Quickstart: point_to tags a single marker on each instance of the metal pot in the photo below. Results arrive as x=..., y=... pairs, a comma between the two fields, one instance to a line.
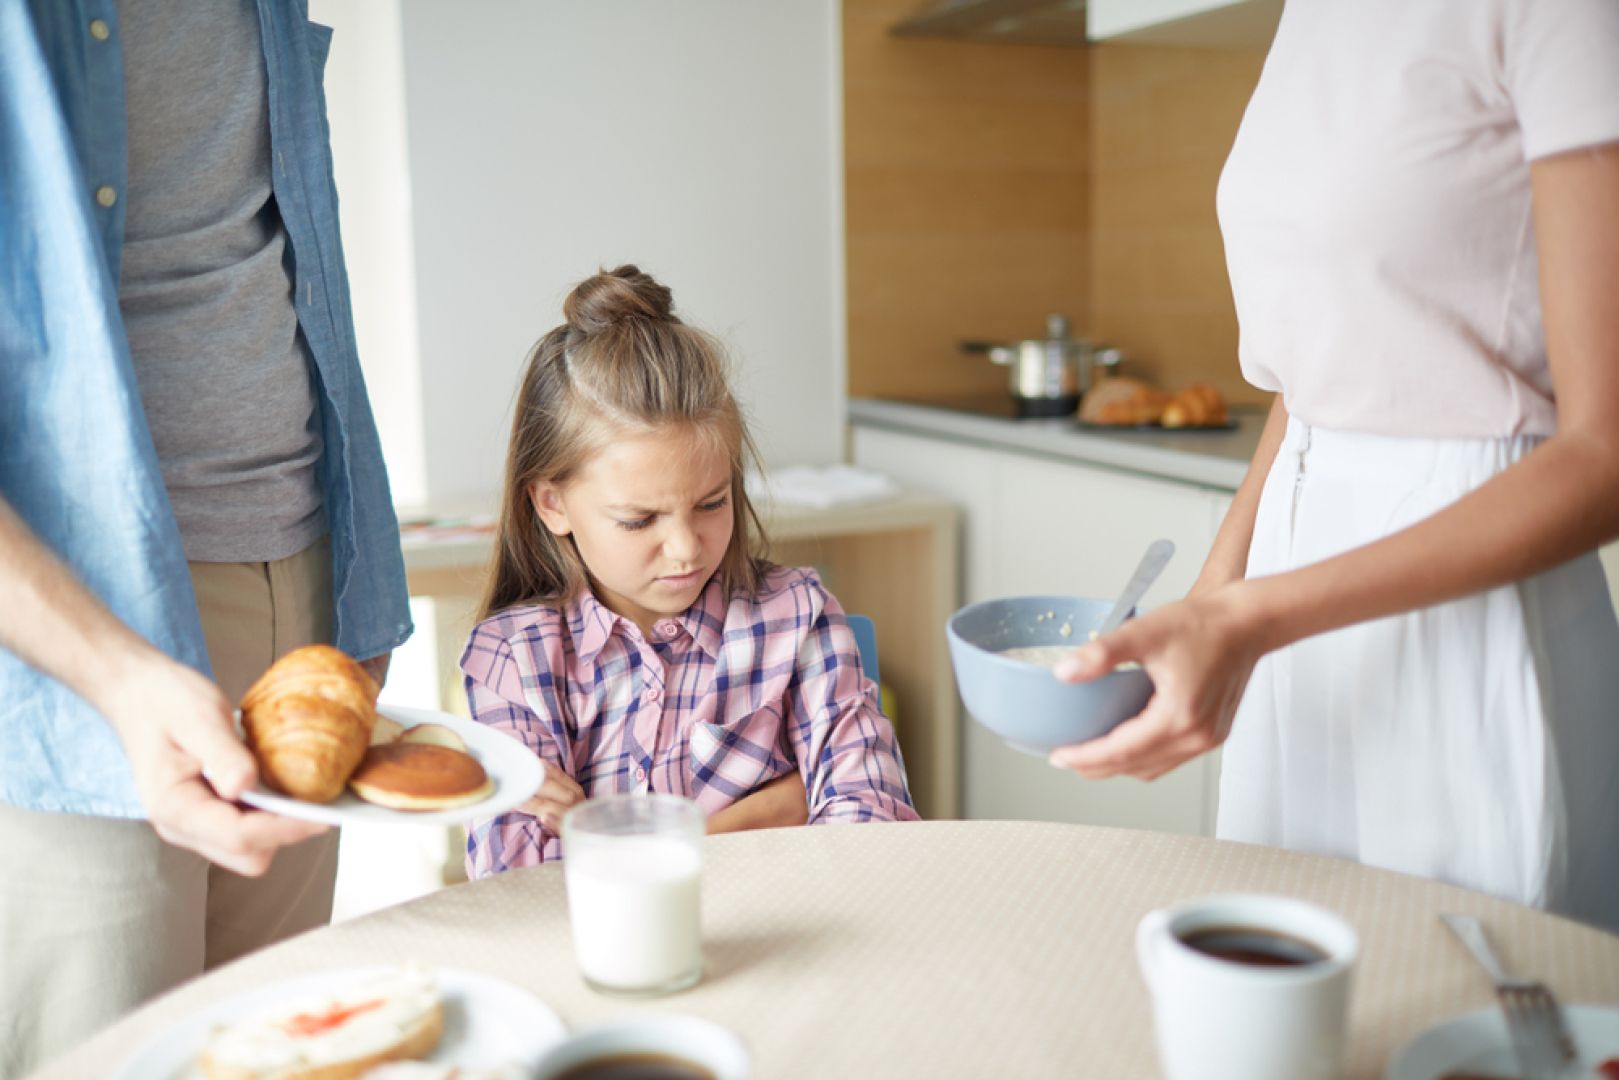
x=1047, y=375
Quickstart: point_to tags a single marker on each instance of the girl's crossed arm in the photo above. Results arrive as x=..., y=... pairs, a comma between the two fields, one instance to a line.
x=846, y=748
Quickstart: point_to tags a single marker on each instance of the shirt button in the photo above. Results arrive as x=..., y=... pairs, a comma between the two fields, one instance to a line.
x=651, y=693
x=106, y=195
x=668, y=629
x=100, y=30
x=640, y=774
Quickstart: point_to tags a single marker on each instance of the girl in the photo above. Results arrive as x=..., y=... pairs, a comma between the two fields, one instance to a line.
x=630, y=636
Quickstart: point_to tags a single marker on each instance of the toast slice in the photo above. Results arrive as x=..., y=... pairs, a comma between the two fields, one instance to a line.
x=333, y=1036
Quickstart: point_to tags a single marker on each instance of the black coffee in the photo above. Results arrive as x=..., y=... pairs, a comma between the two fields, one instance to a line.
x=637, y=1067
x=1252, y=946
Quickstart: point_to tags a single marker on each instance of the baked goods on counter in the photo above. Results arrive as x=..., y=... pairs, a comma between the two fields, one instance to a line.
x=308, y=720
x=1123, y=401
x=1199, y=405
x=338, y=1035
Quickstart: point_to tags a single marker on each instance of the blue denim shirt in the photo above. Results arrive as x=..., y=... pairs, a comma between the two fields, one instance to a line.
x=76, y=457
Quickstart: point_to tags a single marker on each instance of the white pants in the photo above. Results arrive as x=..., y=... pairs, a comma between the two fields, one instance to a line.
x=1476, y=742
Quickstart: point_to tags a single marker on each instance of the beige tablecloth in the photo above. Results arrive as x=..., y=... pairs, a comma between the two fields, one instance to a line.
x=941, y=949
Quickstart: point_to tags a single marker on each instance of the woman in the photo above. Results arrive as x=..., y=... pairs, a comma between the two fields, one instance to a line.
x=1421, y=216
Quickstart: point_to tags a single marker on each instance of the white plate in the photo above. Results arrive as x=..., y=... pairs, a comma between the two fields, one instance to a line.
x=1477, y=1042
x=487, y=1022
x=515, y=769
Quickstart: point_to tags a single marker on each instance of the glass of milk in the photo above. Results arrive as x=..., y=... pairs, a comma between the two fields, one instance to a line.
x=633, y=866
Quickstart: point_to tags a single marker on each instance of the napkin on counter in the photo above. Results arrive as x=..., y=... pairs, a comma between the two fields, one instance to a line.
x=822, y=486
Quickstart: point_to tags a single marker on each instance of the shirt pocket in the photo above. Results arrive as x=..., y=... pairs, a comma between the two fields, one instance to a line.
x=735, y=759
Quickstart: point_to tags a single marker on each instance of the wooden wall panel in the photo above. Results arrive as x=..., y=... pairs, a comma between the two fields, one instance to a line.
x=965, y=168
x=1162, y=121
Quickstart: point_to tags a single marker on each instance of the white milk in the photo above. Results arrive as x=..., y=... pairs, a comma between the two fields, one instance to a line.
x=633, y=905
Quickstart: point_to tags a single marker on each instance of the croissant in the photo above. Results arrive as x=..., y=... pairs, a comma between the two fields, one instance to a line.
x=1199, y=405
x=308, y=721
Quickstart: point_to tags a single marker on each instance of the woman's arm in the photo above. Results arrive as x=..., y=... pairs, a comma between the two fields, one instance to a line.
x=1558, y=502
x=175, y=725
x=1228, y=558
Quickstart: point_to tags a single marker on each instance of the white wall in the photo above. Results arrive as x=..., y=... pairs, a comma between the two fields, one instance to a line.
x=491, y=153
x=700, y=139
x=365, y=103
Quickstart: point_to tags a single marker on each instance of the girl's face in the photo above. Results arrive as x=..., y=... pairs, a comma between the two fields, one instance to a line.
x=652, y=518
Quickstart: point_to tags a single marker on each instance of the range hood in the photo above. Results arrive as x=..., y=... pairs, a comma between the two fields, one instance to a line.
x=1017, y=22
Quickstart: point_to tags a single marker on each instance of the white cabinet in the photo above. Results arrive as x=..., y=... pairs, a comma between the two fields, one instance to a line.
x=1035, y=525
x=1211, y=23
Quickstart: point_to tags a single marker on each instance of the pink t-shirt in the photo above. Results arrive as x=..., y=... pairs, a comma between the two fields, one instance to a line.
x=1376, y=206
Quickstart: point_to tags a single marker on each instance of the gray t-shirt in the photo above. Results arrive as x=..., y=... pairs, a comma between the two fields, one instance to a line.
x=206, y=287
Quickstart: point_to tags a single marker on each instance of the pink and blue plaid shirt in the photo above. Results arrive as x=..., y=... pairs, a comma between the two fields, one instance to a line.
x=727, y=696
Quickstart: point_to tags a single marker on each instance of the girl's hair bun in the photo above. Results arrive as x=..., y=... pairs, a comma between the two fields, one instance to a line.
x=613, y=296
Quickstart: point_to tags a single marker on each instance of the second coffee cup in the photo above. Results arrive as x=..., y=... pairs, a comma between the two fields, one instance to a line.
x=1248, y=987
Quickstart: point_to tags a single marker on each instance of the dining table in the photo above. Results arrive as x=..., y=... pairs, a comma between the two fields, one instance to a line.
x=933, y=949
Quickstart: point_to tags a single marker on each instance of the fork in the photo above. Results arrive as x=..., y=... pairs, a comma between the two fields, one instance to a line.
x=1535, y=1024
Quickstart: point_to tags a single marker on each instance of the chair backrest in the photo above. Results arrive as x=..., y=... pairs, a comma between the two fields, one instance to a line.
x=865, y=639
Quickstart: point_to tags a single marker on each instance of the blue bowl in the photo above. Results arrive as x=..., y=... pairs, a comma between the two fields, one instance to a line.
x=1022, y=701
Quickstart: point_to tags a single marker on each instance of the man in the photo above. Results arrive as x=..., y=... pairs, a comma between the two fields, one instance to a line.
x=190, y=484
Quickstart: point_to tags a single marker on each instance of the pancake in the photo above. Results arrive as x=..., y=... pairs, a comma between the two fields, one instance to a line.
x=434, y=735
x=386, y=730
x=420, y=776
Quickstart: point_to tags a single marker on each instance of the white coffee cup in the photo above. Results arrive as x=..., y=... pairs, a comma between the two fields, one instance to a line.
x=633, y=868
x=1219, y=1018
x=687, y=1039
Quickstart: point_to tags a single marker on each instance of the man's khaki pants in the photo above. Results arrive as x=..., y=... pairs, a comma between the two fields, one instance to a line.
x=97, y=914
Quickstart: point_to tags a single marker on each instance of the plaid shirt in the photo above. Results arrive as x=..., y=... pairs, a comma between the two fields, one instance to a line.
x=725, y=697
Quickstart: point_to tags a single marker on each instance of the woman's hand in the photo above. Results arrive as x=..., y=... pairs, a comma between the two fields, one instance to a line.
x=1200, y=653
x=778, y=803
x=558, y=792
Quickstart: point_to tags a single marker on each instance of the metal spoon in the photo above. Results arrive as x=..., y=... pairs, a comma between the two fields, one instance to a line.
x=1151, y=565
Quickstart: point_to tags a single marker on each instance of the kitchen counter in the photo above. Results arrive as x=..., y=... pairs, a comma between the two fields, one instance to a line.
x=1205, y=458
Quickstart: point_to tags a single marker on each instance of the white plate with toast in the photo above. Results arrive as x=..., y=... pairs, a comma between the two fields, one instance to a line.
x=488, y=1023
x=513, y=771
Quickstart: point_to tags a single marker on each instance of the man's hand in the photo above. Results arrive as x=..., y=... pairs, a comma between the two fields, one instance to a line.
x=190, y=767
x=175, y=725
